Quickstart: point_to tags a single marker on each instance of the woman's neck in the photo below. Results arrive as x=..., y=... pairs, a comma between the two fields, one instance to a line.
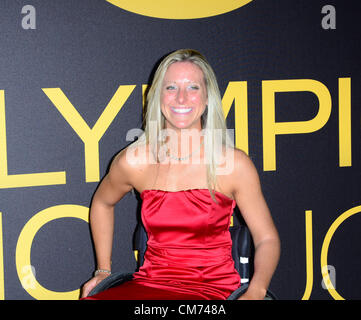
x=183, y=143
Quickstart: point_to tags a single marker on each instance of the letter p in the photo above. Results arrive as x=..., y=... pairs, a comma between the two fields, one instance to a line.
x=271, y=128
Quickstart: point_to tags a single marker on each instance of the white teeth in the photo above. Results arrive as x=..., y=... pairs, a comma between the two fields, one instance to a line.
x=181, y=110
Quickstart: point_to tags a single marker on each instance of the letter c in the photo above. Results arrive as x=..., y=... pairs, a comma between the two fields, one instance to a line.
x=23, y=248
x=179, y=309
x=325, y=245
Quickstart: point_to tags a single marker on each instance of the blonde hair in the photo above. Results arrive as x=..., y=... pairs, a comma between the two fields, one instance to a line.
x=212, y=118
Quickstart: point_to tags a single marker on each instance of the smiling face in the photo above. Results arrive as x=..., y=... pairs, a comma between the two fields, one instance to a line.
x=183, y=96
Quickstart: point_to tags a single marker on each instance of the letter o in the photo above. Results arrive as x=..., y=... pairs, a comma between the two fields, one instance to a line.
x=326, y=244
x=23, y=248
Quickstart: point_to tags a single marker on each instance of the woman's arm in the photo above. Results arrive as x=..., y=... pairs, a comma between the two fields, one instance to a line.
x=253, y=207
x=112, y=188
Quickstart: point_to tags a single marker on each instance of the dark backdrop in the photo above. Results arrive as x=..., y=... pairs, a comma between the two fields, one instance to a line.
x=77, y=55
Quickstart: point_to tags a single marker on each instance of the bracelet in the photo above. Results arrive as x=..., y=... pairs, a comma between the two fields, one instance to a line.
x=102, y=271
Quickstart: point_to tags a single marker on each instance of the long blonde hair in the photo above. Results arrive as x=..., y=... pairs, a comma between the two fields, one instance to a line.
x=212, y=120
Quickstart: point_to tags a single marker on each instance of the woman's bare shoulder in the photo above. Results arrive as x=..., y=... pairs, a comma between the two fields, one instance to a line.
x=131, y=158
x=231, y=169
x=132, y=162
x=236, y=160
x=238, y=170
x=242, y=159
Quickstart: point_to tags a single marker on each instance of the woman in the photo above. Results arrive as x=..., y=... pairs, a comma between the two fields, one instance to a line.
x=190, y=178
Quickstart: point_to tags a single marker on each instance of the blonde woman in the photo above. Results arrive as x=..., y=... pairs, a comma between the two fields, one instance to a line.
x=190, y=178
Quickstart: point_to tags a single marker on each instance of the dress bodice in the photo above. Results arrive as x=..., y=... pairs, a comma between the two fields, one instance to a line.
x=188, y=225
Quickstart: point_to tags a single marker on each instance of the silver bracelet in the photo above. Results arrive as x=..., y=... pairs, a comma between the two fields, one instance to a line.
x=102, y=271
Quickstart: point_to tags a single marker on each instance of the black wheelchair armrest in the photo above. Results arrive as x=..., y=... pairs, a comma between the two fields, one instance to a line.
x=243, y=288
x=111, y=281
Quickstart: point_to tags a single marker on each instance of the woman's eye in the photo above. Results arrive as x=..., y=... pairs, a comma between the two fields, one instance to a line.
x=170, y=87
x=194, y=87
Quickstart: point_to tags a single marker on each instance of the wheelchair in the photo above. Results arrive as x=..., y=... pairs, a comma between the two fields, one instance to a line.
x=242, y=253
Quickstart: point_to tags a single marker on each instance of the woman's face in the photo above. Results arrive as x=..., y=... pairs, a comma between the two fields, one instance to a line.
x=183, y=96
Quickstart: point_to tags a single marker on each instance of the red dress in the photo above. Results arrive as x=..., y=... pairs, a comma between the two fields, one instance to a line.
x=188, y=251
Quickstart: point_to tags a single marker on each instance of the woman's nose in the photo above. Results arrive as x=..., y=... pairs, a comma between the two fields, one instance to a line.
x=181, y=96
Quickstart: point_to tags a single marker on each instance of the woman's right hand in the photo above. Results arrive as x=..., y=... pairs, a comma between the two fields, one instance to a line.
x=92, y=283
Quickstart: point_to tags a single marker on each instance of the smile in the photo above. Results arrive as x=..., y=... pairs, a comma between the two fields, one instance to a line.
x=181, y=110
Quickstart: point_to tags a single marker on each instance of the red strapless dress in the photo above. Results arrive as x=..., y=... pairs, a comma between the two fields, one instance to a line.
x=188, y=252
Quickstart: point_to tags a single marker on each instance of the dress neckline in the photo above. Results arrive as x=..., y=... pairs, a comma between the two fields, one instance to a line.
x=186, y=190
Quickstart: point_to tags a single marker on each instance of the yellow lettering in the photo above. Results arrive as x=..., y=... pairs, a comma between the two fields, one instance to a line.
x=144, y=98
x=344, y=104
x=187, y=9
x=237, y=91
x=309, y=256
x=144, y=93
x=90, y=137
x=324, y=251
x=271, y=128
x=23, y=250
x=21, y=180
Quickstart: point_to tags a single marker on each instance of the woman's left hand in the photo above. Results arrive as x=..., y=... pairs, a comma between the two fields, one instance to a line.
x=253, y=294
